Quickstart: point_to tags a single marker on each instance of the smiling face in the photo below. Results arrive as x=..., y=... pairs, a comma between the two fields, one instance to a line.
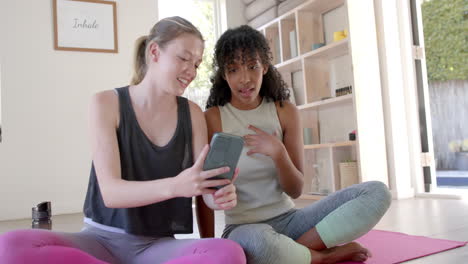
x=245, y=76
x=175, y=66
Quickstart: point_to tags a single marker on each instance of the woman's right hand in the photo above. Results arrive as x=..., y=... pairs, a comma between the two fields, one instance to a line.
x=194, y=181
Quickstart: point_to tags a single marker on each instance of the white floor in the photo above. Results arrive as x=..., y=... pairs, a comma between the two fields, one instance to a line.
x=437, y=218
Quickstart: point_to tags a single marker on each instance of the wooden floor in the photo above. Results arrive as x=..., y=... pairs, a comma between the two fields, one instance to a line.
x=437, y=218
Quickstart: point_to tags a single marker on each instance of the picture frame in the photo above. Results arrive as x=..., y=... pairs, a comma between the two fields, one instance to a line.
x=85, y=25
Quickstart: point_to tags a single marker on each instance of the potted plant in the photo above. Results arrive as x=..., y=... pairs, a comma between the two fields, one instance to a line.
x=460, y=148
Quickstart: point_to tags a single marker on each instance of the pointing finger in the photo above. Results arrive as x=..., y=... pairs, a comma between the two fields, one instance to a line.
x=202, y=156
x=256, y=129
x=214, y=172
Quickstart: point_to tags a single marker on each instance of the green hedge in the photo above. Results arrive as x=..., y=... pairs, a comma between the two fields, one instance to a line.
x=446, y=39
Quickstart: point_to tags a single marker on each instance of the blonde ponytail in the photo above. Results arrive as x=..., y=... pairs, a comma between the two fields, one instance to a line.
x=162, y=32
x=139, y=63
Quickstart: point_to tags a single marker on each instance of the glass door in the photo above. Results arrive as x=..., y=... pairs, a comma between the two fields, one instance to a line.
x=440, y=55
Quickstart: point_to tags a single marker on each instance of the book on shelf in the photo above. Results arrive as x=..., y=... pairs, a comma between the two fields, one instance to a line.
x=293, y=43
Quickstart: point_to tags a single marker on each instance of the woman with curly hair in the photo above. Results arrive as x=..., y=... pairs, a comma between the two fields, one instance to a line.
x=249, y=98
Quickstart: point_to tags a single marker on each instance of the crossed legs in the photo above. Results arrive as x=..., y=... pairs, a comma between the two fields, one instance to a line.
x=319, y=233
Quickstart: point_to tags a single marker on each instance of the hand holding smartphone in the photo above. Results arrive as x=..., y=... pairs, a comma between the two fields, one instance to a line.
x=225, y=150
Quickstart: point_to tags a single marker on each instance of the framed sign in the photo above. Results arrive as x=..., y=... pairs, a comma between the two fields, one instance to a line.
x=85, y=25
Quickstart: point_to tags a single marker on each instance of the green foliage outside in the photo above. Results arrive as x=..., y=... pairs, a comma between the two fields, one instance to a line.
x=204, y=20
x=446, y=39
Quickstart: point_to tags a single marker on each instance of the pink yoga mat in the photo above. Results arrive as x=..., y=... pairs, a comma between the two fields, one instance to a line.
x=392, y=247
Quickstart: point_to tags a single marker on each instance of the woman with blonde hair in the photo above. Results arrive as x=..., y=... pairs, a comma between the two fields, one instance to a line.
x=148, y=148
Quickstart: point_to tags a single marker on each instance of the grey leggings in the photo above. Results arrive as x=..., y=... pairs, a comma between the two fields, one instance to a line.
x=339, y=218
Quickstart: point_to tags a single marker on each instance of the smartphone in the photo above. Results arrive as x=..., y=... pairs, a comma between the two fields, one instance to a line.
x=225, y=150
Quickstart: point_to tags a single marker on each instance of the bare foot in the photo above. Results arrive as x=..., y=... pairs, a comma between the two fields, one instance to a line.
x=348, y=252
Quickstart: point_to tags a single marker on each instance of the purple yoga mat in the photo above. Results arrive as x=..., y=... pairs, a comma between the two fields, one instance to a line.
x=392, y=247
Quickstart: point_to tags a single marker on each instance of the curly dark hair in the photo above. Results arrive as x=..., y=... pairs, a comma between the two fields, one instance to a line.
x=246, y=42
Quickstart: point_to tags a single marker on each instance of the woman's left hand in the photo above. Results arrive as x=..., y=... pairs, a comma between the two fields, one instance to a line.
x=263, y=143
x=226, y=197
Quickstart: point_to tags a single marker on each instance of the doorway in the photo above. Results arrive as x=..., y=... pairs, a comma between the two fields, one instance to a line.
x=442, y=88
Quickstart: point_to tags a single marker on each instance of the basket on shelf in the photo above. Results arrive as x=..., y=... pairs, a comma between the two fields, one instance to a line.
x=348, y=173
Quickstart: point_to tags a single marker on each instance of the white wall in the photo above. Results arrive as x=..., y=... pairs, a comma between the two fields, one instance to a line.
x=395, y=84
x=0, y=94
x=235, y=13
x=45, y=152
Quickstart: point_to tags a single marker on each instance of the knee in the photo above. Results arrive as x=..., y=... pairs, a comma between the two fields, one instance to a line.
x=231, y=251
x=16, y=243
x=260, y=244
x=223, y=250
x=251, y=238
x=263, y=245
x=14, y=240
x=380, y=194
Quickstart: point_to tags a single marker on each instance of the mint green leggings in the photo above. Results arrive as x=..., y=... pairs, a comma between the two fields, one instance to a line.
x=339, y=218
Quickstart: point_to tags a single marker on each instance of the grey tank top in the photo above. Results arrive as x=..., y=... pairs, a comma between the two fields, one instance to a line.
x=141, y=160
x=259, y=194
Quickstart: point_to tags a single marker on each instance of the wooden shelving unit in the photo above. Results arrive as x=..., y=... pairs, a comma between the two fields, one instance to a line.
x=314, y=76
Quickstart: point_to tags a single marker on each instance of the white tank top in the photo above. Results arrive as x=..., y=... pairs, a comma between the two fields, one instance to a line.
x=260, y=196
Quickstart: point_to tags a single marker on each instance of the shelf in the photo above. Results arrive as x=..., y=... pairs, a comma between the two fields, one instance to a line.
x=321, y=7
x=291, y=65
x=317, y=7
x=331, y=145
x=327, y=102
x=330, y=51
